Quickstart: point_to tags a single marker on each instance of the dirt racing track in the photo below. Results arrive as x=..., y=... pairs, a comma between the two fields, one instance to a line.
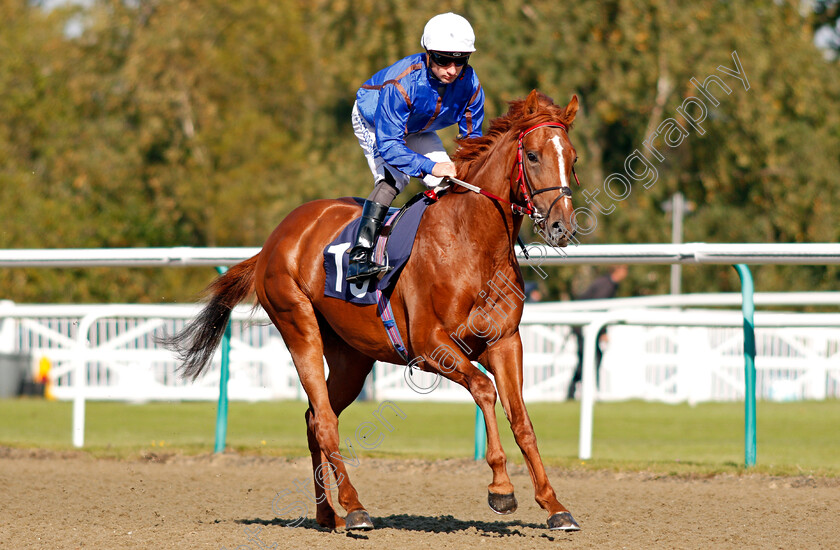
x=70, y=500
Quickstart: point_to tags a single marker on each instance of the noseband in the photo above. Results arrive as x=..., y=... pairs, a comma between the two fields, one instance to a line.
x=525, y=185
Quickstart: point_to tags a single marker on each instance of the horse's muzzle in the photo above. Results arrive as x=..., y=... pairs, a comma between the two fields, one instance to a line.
x=560, y=234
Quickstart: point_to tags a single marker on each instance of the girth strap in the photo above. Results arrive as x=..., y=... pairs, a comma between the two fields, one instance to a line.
x=383, y=308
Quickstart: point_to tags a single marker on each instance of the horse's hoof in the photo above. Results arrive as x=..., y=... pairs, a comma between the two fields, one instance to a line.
x=502, y=504
x=563, y=521
x=358, y=519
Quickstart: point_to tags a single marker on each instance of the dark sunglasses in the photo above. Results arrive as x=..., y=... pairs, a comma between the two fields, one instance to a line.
x=444, y=60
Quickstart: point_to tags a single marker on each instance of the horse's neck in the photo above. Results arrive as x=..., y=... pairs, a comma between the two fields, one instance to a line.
x=482, y=220
x=493, y=175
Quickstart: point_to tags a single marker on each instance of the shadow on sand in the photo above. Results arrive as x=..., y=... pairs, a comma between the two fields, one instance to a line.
x=427, y=524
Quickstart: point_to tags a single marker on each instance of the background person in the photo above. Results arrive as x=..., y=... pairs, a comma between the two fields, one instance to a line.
x=533, y=292
x=601, y=288
x=395, y=117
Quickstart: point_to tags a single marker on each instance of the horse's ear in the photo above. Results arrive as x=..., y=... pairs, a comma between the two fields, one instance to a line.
x=532, y=103
x=572, y=108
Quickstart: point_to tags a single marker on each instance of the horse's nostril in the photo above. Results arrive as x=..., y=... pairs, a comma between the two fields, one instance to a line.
x=559, y=227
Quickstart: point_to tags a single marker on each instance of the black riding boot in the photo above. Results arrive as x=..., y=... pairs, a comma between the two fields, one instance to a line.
x=361, y=262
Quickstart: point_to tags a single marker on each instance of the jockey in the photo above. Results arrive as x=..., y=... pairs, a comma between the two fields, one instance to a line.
x=395, y=117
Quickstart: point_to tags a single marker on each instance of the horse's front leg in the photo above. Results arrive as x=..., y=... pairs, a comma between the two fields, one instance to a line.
x=446, y=358
x=505, y=360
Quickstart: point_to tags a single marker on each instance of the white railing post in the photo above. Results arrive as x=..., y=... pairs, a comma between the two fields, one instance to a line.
x=818, y=373
x=694, y=375
x=588, y=387
x=7, y=329
x=80, y=378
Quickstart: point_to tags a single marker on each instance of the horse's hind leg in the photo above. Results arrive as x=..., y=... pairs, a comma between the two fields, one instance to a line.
x=348, y=370
x=296, y=320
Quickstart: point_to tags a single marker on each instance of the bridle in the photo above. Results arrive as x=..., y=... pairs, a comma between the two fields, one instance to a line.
x=522, y=180
x=525, y=185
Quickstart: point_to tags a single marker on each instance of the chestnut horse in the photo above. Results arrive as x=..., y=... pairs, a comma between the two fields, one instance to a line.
x=465, y=241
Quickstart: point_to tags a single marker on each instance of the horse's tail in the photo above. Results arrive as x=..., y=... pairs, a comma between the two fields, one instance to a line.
x=197, y=342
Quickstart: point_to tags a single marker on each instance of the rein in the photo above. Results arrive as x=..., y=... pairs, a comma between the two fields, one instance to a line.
x=480, y=191
x=522, y=179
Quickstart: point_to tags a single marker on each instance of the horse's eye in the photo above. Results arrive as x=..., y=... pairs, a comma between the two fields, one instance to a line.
x=532, y=157
x=575, y=161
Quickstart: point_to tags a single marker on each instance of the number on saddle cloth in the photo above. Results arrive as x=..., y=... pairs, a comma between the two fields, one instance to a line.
x=395, y=245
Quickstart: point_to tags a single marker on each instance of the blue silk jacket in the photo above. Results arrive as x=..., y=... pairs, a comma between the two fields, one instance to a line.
x=406, y=98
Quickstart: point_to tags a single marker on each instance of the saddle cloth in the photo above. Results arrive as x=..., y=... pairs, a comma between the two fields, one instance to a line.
x=396, y=247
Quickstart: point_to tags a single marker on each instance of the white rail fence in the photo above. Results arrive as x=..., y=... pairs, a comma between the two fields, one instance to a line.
x=662, y=254
x=793, y=350
x=114, y=348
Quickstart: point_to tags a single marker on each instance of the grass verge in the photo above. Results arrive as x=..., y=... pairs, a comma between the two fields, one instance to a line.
x=794, y=438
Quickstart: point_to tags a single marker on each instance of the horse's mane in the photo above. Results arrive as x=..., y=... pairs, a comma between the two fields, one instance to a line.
x=517, y=119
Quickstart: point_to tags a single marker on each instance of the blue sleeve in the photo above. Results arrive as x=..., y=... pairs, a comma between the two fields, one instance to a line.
x=391, y=120
x=470, y=123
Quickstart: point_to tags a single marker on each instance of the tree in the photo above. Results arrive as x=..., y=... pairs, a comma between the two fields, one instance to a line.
x=174, y=123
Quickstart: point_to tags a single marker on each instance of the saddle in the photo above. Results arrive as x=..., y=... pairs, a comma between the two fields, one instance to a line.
x=393, y=248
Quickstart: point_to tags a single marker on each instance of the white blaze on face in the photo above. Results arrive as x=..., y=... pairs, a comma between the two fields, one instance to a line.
x=561, y=160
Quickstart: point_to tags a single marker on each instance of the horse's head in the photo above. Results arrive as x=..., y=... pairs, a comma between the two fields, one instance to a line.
x=544, y=167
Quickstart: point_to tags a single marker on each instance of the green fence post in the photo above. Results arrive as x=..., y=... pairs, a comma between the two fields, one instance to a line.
x=480, y=428
x=748, y=309
x=224, y=375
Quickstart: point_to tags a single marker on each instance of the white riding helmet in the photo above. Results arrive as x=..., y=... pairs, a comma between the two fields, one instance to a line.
x=448, y=32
